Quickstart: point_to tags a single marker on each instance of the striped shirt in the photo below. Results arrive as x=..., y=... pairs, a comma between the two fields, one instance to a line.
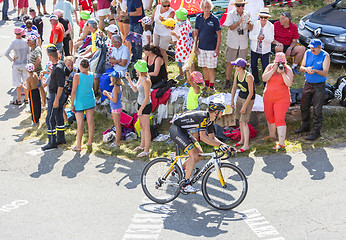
x=33, y=55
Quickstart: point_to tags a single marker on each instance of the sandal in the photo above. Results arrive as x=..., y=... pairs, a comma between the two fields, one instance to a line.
x=16, y=102
x=268, y=137
x=237, y=145
x=240, y=150
x=75, y=149
x=138, y=149
x=26, y=101
x=143, y=154
x=278, y=146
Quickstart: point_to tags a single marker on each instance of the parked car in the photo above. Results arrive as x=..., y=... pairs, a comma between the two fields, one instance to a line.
x=329, y=25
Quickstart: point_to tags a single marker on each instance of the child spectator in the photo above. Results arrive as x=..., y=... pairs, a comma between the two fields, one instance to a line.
x=195, y=79
x=70, y=71
x=115, y=104
x=84, y=16
x=185, y=40
x=34, y=94
x=142, y=86
x=148, y=29
x=83, y=100
x=245, y=101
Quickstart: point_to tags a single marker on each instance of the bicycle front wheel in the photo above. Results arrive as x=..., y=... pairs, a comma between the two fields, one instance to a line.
x=228, y=196
x=155, y=186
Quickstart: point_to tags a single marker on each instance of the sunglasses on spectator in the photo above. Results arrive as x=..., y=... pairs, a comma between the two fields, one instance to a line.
x=240, y=5
x=166, y=5
x=263, y=17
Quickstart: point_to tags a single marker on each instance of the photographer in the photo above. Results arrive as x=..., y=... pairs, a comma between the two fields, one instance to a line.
x=276, y=97
x=239, y=23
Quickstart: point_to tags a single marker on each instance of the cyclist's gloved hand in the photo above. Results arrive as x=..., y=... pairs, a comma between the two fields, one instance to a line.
x=224, y=147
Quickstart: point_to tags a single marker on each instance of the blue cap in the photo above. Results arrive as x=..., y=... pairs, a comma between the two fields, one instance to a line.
x=53, y=17
x=314, y=43
x=115, y=74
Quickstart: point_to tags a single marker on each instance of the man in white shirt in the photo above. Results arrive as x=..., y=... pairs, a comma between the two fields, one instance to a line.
x=19, y=60
x=68, y=9
x=239, y=23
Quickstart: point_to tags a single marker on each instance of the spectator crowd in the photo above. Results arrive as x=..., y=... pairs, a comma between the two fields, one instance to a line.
x=94, y=46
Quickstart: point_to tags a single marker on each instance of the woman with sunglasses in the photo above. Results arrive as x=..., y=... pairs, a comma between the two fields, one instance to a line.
x=162, y=34
x=261, y=38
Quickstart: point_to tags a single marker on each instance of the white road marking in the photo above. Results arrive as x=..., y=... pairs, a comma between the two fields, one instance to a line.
x=147, y=225
x=260, y=225
x=37, y=151
x=13, y=205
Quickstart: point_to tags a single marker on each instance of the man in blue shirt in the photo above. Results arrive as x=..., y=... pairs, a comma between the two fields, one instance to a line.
x=136, y=12
x=315, y=64
x=208, y=32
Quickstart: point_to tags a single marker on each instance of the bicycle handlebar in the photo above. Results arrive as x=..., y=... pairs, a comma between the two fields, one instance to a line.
x=216, y=151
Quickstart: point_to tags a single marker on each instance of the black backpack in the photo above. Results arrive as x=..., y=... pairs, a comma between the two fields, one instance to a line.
x=340, y=90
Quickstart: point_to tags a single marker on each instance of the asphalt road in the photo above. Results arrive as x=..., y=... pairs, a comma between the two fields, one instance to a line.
x=66, y=195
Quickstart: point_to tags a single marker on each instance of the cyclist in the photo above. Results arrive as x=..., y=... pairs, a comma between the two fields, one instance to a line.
x=204, y=122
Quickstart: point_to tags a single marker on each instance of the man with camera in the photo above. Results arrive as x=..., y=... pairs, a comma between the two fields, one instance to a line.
x=239, y=23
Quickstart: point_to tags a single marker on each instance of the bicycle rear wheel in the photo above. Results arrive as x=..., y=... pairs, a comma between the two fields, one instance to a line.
x=232, y=194
x=155, y=187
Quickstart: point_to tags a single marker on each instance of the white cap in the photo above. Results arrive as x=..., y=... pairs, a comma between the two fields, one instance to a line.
x=112, y=28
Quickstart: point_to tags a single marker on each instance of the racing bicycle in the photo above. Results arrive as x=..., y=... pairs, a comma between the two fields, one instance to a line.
x=224, y=185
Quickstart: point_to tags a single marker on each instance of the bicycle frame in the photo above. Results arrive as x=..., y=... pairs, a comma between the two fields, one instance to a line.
x=213, y=162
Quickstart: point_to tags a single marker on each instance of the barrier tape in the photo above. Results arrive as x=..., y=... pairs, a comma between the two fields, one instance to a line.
x=280, y=3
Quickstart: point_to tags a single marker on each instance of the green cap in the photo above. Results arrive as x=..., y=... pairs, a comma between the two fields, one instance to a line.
x=181, y=14
x=85, y=15
x=141, y=66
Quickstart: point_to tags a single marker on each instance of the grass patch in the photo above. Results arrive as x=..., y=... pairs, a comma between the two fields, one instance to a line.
x=333, y=119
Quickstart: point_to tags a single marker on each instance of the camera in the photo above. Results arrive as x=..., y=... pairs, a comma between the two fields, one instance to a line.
x=240, y=31
x=68, y=85
x=281, y=66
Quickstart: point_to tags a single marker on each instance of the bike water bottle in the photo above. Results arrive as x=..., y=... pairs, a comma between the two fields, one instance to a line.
x=173, y=155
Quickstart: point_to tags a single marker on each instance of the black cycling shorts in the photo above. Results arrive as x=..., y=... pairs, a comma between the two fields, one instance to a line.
x=181, y=137
x=147, y=109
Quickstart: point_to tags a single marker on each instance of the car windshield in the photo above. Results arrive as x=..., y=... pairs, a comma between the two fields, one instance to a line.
x=341, y=4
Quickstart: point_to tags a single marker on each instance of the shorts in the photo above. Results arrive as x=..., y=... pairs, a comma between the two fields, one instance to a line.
x=232, y=54
x=181, y=137
x=19, y=75
x=23, y=3
x=42, y=2
x=118, y=110
x=243, y=117
x=113, y=10
x=206, y=59
x=284, y=49
x=147, y=109
x=81, y=111
x=161, y=41
x=104, y=12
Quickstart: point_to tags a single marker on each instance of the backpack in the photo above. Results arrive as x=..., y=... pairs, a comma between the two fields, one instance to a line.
x=339, y=91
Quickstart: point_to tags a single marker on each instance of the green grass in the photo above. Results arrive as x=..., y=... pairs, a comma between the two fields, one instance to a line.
x=333, y=130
